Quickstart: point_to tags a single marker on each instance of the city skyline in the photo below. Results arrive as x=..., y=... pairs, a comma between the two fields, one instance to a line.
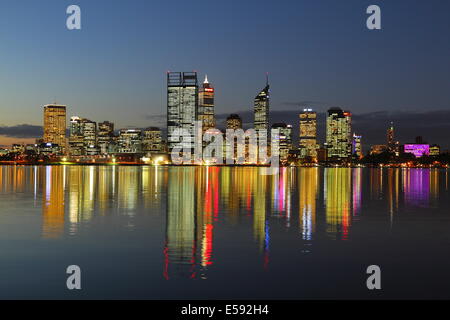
x=298, y=77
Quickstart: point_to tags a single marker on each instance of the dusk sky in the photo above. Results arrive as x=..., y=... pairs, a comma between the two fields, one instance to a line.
x=318, y=53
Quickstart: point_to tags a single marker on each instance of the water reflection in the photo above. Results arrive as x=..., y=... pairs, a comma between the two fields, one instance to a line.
x=197, y=203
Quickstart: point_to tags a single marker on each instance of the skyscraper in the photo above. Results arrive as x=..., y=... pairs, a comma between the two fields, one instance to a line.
x=284, y=133
x=206, y=105
x=89, y=133
x=339, y=140
x=262, y=106
x=55, y=124
x=308, y=133
x=357, y=146
x=391, y=137
x=76, y=141
x=105, y=136
x=234, y=122
x=182, y=107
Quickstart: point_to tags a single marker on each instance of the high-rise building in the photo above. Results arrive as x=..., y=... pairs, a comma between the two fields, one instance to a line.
x=105, y=136
x=390, y=138
x=206, y=105
x=83, y=137
x=339, y=140
x=262, y=106
x=55, y=124
x=308, y=134
x=89, y=133
x=284, y=133
x=76, y=141
x=182, y=108
x=152, y=140
x=357, y=146
x=130, y=141
x=234, y=122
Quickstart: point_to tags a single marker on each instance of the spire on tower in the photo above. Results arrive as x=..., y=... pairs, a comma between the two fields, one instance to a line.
x=267, y=78
x=206, y=79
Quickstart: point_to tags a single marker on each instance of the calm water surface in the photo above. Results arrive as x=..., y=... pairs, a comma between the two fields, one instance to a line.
x=212, y=233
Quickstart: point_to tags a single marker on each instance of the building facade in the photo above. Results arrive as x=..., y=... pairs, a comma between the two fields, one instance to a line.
x=152, y=140
x=105, y=136
x=308, y=134
x=55, y=125
x=357, y=146
x=234, y=122
x=262, y=108
x=182, y=108
x=339, y=139
x=284, y=133
x=130, y=141
x=206, y=106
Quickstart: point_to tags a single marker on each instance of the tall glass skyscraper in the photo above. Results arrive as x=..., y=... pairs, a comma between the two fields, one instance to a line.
x=262, y=105
x=182, y=107
x=308, y=133
x=339, y=138
x=206, y=105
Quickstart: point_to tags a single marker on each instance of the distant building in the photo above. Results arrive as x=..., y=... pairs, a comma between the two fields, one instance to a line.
x=435, y=150
x=182, y=108
x=55, y=124
x=378, y=149
x=206, y=105
x=357, y=146
x=308, y=134
x=89, y=129
x=284, y=133
x=49, y=149
x=76, y=144
x=18, y=148
x=152, y=140
x=82, y=136
x=234, y=122
x=130, y=141
x=261, y=109
x=105, y=136
x=390, y=135
x=339, y=139
x=418, y=150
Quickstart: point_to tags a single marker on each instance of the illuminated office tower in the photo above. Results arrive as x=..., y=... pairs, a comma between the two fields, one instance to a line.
x=76, y=141
x=308, y=133
x=130, y=141
x=152, y=140
x=105, y=136
x=234, y=122
x=89, y=133
x=284, y=133
x=356, y=146
x=393, y=146
x=390, y=137
x=206, y=105
x=55, y=124
x=339, y=140
x=261, y=111
x=262, y=105
x=182, y=107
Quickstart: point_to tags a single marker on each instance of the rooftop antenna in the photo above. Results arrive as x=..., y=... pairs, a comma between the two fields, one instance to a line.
x=267, y=78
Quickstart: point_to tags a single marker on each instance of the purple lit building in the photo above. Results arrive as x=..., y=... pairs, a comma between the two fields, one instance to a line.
x=418, y=150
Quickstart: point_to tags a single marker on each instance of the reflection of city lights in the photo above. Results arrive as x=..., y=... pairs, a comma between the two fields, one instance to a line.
x=158, y=161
